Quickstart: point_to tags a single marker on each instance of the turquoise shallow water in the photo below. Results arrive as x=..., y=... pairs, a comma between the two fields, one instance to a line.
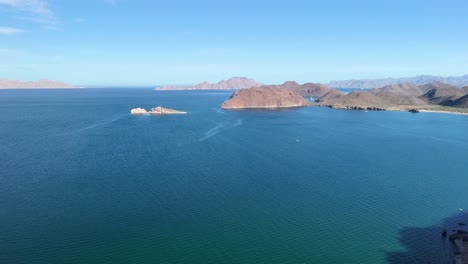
x=82, y=181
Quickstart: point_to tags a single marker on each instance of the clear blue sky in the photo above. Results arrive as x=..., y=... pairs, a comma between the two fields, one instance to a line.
x=162, y=42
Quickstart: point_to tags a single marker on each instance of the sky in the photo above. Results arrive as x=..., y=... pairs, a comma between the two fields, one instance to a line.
x=139, y=42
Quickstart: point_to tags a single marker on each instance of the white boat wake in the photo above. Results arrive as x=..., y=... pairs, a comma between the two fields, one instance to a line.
x=101, y=123
x=218, y=128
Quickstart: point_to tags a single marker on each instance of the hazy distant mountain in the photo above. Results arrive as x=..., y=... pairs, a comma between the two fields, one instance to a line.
x=40, y=84
x=307, y=89
x=233, y=83
x=417, y=80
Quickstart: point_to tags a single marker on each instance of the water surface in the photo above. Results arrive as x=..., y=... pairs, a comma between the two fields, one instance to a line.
x=82, y=181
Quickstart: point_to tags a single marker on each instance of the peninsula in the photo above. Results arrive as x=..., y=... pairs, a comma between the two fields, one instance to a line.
x=40, y=84
x=156, y=111
x=264, y=97
x=230, y=84
x=433, y=97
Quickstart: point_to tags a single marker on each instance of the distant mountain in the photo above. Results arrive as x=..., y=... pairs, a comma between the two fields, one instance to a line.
x=233, y=83
x=306, y=89
x=417, y=80
x=40, y=84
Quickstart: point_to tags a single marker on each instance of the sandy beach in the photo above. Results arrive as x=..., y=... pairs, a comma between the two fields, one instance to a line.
x=442, y=112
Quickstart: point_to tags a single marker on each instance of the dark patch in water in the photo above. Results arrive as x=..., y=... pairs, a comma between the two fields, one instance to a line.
x=427, y=245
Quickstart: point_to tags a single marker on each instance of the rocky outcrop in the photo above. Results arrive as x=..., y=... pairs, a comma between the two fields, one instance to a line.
x=156, y=111
x=138, y=111
x=165, y=111
x=40, y=84
x=233, y=83
x=264, y=97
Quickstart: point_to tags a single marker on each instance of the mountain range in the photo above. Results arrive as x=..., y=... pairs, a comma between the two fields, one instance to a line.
x=417, y=80
x=40, y=84
x=232, y=83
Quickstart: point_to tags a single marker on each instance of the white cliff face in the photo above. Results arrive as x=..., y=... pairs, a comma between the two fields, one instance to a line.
x=138, y=111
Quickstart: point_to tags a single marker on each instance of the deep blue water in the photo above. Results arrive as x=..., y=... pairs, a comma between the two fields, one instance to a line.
x=82, y=181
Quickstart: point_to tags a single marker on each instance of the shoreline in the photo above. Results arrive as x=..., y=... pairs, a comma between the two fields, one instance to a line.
x=442, y=112
x=425, y=110
x=402, y=110
x=429, y=111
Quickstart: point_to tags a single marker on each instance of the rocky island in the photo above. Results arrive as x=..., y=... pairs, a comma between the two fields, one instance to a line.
x=40, y=84
x=156, y=111
x=232, y=83
x=264, y=97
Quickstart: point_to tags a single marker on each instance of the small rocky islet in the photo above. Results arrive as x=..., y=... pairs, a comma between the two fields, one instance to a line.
x=156, y=111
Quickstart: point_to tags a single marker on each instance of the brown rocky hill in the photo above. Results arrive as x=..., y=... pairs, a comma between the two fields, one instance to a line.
x=264, y=97
x=401, y=96
x=461, y=102
x=354, y=100
x=313, y=89
x=395, y=99
x=289, y=85
x=441, y=95
x=40, y=84
x=232, y=83
x=411, y=89
x=306, y=89
x=402, y=88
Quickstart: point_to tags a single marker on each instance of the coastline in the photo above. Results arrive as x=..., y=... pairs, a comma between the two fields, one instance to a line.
x=432, y=109
x=442, y=112
x=407, y=109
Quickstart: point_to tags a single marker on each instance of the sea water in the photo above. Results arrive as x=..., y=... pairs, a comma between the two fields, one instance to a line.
x=83, y=181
